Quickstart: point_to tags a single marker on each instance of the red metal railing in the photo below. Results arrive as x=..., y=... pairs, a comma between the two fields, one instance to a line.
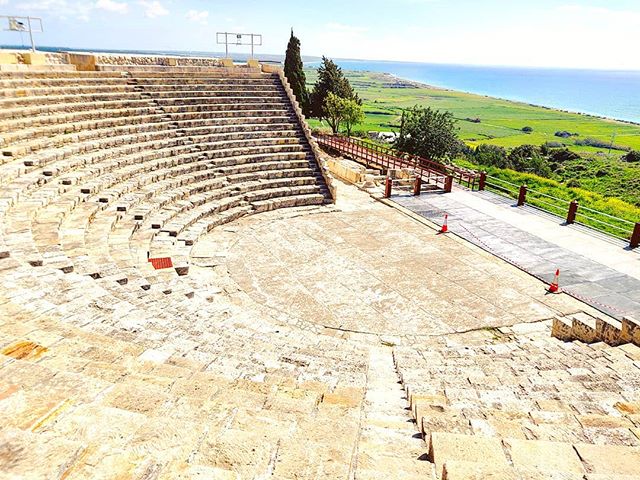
x=372, y=153
x=444, y=175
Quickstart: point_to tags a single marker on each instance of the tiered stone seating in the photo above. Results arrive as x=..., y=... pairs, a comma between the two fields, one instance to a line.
x=589, y=329
x=515, y=403
x=111, y=368
x=93, y=164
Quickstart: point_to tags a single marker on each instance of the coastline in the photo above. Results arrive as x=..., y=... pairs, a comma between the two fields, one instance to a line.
x=420, y=84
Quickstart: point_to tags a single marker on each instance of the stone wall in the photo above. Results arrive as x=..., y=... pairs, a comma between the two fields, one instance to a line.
x=317, y=153
x=150, y=60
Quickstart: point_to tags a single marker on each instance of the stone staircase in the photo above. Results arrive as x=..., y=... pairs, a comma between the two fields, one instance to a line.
x=514, y=403
x=589, y=329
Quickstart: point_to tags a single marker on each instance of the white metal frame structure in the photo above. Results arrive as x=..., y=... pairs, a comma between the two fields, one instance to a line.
x=16, y=23
x=229, y=38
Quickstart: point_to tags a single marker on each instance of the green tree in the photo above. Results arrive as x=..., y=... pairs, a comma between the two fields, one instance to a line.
x=293, y=70
x=428, y=133
x=330, y=80
x=334, y=111
x=353, y=114
x=491, y=155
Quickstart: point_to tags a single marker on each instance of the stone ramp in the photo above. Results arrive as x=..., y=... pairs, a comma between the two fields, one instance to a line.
x=594, y=270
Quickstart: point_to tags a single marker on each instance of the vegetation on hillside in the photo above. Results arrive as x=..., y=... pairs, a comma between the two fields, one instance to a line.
x=576, y=151
x=486, y=120
x=330, y=79
x=506, y=182
x=428, y=133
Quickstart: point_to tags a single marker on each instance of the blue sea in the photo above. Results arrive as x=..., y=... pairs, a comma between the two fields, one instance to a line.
x=606, y=93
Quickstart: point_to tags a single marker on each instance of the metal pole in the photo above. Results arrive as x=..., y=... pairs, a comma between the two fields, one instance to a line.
x=226, y=45
x=387, y=187
x=635, y=237
x=522, y=196
x=483, y=181
x=252, y=46
x=571, y=214
x=33, y=45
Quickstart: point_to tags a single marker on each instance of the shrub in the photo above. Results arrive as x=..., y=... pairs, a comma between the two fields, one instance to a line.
x=527, y=129
x=528, y=158
x=491, y=155
x=632, y=157
x=594, y=142
x=563, y=155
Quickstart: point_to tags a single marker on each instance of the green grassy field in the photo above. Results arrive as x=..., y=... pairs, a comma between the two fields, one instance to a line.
x=506, y=182
x=501, y=121
x=607, y=184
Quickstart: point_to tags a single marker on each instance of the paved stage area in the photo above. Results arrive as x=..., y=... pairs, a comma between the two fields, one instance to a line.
x=596, y=269
x=367, y=268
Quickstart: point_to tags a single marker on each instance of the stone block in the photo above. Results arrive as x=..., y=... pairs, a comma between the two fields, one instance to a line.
x=34, y=58
x=609, y=330
x=446, y=447
x=460, y=470
x=550, y=457
x=610, y=459
x=562, y=329
x=584, y=328
x=630, y=330
x=7, y=58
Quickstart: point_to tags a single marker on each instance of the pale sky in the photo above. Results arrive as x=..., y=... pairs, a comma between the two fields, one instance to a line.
x=553, y=33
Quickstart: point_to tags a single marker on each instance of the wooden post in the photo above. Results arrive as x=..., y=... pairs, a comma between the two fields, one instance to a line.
x=387, y=187
x=573, y=210
x=448, y=184
x=522, y=196
x=417, y=185
x=635, y=237
x=482, y=183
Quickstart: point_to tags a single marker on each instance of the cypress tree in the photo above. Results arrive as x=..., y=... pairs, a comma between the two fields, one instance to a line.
x=293, y=70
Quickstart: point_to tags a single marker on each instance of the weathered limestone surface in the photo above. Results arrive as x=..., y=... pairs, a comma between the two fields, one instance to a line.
x=314, y=341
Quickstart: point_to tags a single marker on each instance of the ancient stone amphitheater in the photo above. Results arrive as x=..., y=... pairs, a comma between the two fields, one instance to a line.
x=163, y=316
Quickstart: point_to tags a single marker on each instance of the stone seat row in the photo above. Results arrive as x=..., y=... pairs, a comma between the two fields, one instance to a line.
x=565, y=394
x=172, y=166
x=465, y=457
x=69, y=96
x=54, y=162
x=145, y=389
x=589, y=329
x=39, y=88
x=25, y=141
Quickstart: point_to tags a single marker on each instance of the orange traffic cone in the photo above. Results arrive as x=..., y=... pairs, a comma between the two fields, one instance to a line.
x=555, y=286
x=445, y=227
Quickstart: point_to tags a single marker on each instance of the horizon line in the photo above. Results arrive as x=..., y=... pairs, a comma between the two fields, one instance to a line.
x=317, y=58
